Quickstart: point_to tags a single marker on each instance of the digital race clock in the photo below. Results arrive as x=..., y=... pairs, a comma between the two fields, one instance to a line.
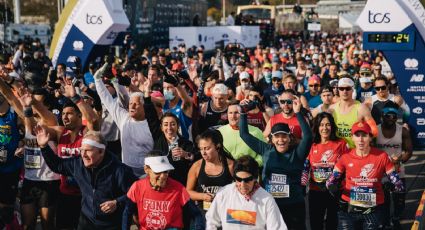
x=404, y=40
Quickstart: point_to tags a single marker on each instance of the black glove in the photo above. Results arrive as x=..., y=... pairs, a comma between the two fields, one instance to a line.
x=249, y=106
x=172, y=79
x=205, y=72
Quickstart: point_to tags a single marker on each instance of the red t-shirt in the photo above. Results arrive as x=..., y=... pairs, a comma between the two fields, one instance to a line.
x=257, y=120
x=67, y=149
x=292, y=122
x=159, y=209
x=323, y=158
x=363, y=176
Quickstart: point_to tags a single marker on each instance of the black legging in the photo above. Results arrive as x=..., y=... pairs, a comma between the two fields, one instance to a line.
x=293, y=215
x=322, y=204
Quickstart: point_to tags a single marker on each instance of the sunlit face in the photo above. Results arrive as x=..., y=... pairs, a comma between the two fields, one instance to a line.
x=333, y=70
x=281, y=142
x=286, y=103
x=91, y=156
x=244, y=187
x=325, y=128
x=135, y=108
x=362, y=140
x=219, y=100
x=157, y=180
x=209, y=150
x=289, y=83
x=233, y=115
x=381, y=89
x=153, y=75
x=326, y=97
x=70, y=118
x=169, y=127
x=345, y=92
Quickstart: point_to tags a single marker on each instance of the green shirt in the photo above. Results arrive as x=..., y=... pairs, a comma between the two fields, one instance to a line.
x=236, y=146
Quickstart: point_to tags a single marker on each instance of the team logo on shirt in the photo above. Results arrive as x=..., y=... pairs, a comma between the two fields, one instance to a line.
x=156, y=220
x=366, y=171
x=327, y=155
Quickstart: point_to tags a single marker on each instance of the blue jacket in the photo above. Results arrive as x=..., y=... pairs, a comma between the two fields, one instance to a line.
x=109, y=181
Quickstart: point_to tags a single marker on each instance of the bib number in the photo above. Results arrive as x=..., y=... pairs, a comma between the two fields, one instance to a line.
x=320, y=175
x=363, y=197
x=32, y=159
x=278, y=186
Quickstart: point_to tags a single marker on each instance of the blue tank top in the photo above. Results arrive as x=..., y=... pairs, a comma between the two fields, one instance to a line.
x=185, y=121
x=9, y=139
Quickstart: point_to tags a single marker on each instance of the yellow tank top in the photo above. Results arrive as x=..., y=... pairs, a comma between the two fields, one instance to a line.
x=344, y=122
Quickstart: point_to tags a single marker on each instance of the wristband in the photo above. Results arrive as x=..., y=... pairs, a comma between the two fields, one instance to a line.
x=28, y=112
x=76, y=99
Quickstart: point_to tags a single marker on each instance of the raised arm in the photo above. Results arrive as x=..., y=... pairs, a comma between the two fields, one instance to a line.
x=254, y=143
x=8, y=94
x=55, y=163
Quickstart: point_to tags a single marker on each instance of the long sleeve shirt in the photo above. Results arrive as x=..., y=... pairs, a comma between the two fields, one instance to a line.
x=282, y=171
x=136, y=137
x=231, y=210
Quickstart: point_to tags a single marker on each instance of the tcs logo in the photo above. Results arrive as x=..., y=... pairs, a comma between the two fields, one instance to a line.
x=379, y=17
x=93, y=19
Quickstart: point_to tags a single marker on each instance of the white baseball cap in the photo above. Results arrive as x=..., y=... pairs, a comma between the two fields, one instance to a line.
x=158, y=164
x=345, y=82
x=243, y=75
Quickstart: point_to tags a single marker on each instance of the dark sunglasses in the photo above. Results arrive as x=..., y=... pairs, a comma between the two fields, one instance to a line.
x=314, y=86
x=345, y=88
x=391, y=116
x=289, y=102
x=246, y=179
x=379, y=88
x=276, y=79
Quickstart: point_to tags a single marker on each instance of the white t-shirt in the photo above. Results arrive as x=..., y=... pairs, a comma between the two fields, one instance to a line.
x=231, y=210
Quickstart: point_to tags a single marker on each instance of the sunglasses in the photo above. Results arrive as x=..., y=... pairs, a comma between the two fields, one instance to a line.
x=314, y=86
x=246, y=179
x=276, y=79
x=391, y=116
x=345, y=88
x=379, y=88
x=289, y=102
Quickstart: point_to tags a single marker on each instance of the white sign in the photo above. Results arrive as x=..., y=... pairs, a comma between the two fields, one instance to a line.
x=249, y=36
x=385, y=16
x=314, y=26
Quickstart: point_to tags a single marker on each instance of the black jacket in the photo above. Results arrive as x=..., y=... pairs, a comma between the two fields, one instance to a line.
x=110, y=181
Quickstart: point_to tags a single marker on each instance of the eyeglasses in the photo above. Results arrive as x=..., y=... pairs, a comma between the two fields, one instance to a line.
x=288, y=101
x=276, y=79
x=391, y=116
x=345, y=88
x=246, y=179
x=314, y=86
x=379, y=88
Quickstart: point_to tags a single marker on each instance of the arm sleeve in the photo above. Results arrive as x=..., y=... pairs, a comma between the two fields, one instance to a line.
x=274, y=217
x=127, y=178
x=307, y=138
x=213, y=216
x=111, y=105
x=255, y=144
x=152, y=118
x=190, y=209
x=122, y=94
x=57, y=164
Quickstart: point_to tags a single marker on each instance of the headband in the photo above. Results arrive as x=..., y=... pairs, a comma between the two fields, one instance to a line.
x=93, y=143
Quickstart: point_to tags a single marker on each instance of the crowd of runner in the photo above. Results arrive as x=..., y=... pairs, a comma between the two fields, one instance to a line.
x=170, y=139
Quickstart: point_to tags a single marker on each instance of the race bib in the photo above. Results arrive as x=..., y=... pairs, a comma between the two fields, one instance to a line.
x=32, y=159
x=363, y=197
x=3, y=155
x=206, y=205
x=320, y=175
x=278, y=186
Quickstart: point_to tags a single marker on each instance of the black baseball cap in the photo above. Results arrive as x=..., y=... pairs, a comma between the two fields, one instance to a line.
x=280, y=128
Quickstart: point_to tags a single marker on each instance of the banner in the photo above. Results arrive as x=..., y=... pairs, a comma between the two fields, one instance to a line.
x=86, y=28
x=249, y=36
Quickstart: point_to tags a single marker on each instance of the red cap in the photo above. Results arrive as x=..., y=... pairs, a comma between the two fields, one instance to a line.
x=361, y=126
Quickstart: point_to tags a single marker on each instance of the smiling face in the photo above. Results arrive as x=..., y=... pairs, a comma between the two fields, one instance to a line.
x=325, y=128
x=91, y=156
x=169, y=127
x=233, y=115
x=281, y=142
x=157, y=180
